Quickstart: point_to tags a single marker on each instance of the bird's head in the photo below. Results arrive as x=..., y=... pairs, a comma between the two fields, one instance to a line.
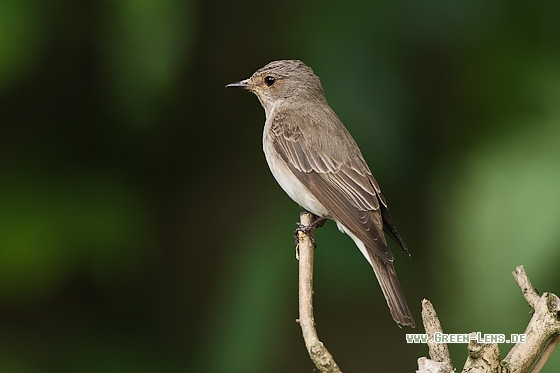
x=283, y=80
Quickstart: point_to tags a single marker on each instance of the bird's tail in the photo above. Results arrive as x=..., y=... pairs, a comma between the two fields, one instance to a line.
x=387, y=277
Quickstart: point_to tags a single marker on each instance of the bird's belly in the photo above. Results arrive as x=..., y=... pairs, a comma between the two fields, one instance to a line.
x=292, y=185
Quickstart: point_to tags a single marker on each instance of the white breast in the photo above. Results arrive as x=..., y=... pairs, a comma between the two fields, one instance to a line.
x=288, y=181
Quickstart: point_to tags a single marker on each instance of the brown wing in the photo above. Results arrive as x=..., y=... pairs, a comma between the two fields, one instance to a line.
x=345, y=187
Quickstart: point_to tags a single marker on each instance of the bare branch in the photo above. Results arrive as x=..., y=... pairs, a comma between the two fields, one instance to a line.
x=426, y=365
x=542, y=336
x=438, y=351
x=529, y=292
x=543, y=327
x=317, y=351
x=546, y=354
x=483, y=357
x=440, y=359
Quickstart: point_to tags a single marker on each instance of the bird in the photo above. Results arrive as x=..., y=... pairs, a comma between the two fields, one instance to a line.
x=319, y=165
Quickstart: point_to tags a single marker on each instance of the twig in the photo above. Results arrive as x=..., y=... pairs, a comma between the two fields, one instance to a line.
x=542, y=336
x=440, y=361
x=541, y=331
x=438, y=351
x=317, y=351
x=530, y=294
x=546, y=354
x=483, y=357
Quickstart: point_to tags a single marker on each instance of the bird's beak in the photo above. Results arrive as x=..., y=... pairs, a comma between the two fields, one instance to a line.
x=244, y=84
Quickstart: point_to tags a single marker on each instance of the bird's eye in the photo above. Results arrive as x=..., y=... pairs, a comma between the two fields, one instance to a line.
x=269, y=80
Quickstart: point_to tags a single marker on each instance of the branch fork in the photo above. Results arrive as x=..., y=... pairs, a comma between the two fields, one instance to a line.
x=542, y=332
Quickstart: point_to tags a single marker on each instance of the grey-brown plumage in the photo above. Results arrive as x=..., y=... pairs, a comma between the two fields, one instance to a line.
x=319, y=165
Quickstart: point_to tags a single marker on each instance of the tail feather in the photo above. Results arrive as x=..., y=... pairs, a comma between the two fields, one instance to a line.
x=387, y=278
x=389, y=228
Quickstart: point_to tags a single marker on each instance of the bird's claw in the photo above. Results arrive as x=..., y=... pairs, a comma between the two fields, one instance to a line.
x=318, y=222
x=304, y=229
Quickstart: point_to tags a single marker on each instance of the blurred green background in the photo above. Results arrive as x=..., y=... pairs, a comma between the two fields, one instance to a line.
x=140, y=227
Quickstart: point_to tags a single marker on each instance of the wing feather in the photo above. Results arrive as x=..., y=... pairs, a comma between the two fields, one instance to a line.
x=346, y=189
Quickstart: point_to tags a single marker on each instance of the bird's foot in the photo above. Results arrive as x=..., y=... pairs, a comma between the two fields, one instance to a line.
x=318, y=222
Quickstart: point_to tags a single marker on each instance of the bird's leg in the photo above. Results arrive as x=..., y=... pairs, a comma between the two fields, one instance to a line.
x=318, y=222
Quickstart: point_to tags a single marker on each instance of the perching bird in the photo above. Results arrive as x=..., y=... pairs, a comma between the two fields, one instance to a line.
x=319, y=165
